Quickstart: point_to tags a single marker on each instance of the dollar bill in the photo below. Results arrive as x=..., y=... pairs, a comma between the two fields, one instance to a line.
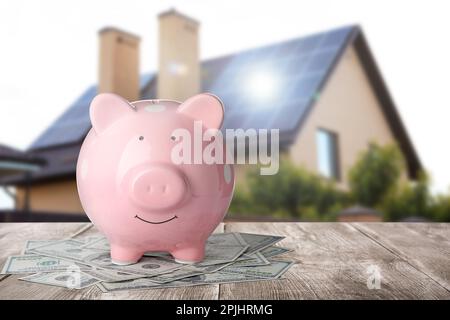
x=68, y=249
x=204, y=279
x=254, y=259
x=98, y=243
x=221, y=254
x=71, y=280
x=274, y=251
x=257, y=242
x=229, y=257
x=89, y=239
x=272, y=271
x=182, y=273
x=146, y=266
x=31, y=244
x=31, y=263
x=226, y=239
x=211, y=268
x=110, y=275
x=142, y=283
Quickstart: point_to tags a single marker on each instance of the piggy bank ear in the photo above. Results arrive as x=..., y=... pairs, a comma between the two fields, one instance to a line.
x=107, y=108
x=204, y=107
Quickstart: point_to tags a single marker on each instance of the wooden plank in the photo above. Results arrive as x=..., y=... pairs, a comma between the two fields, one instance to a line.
x=332, y=261
x=12, y=288
x=3, y=276
x=14, y=235
x=426, y=246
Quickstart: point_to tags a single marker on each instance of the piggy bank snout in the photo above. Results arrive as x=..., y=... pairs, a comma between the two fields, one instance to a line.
x=157, y=188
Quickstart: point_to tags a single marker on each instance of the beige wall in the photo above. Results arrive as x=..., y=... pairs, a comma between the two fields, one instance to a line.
x=119, y=63
x=179, y=68
x=56, y=196
x=348, y=106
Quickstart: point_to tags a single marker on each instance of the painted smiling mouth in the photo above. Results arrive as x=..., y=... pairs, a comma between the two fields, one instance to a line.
x=159, y=222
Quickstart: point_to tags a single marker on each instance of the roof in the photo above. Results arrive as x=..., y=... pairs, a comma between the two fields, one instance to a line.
x=300, y=66
x=13, y=161
x=12, y=154
x=73, y=125
x=59, y=163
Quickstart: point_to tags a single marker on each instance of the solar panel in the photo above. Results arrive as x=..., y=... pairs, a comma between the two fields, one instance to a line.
x=303, y=87
x=286, y=48
x=336, y=37
x=288, y=117
x=298, y=68
x=234, y=120
x=148, y=86
x=321, y=60
x=74, y=123
x=259, y=119
x=145, y=79
x=70, y=126
x=296, y=65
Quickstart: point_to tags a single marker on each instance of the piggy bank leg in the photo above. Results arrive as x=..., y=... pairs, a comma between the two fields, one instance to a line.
x=123, y=256
x=189, y=254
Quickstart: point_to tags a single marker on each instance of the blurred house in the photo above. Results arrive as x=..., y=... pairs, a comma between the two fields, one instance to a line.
x=323, y=91
x=13, y=161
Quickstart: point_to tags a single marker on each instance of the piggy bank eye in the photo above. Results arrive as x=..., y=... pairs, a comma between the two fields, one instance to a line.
x=173, y=138
x=141, y=138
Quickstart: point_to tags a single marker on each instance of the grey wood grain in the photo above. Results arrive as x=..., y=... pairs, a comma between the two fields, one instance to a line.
x=12, y=288
x=331, y=263
x=332, y=260
x=426, y=246
x=14, y=235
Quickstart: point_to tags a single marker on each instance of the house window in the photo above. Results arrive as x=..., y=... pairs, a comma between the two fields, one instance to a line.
x=327, y=154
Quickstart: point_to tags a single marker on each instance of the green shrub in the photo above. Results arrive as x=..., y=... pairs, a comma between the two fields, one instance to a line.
x=375, y=173
x=440, y=209
x=295, y=193
x=408, y=199
x=291, y=193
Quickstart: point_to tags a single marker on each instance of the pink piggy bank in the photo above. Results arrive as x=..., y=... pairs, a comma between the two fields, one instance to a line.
x=132, y=189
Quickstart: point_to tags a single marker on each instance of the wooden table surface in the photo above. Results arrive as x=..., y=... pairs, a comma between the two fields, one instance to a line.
x=332, y=261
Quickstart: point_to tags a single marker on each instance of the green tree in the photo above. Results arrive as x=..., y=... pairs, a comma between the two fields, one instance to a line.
x=440, y=208
x=408, y=199
x=375, y=173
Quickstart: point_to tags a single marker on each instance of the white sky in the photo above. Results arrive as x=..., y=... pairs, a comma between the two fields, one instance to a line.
x=48, y=54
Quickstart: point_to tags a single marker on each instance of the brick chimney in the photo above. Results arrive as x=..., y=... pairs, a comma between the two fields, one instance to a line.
x=119, y=63
x=179, y=68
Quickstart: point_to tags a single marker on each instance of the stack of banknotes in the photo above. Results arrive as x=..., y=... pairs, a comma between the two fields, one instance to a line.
x=80, y=263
